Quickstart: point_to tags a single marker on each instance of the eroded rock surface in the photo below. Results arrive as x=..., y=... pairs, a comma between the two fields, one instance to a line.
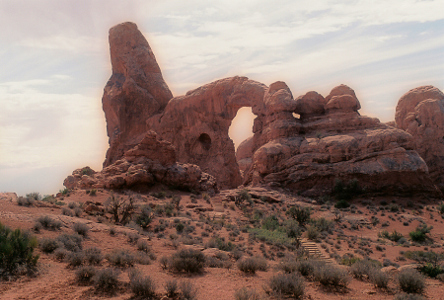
x=148, y=163
x=135, y=91
x=420, y=112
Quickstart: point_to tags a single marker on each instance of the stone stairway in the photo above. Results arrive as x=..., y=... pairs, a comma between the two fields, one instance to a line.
x=218, y=207
x=314, y=251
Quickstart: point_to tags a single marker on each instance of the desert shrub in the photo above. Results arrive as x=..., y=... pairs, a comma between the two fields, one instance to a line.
x=81, y=228
x=34, y=196
x=75, y=259
x=312, y=233
x=121, y=208
x=179, y=227
x=291, y=228
x=409, y=297
x=276, y=237
x=346, y=191
x=107, y=280
x=270, y=223
x=85, y=274
x=121, y=258
x=300, y=214
x=49, y=245
x=78, y=212
x=49, y=223
x=252, y=264
x=16, y=251
x=420, y=234
x=307, y=267
x=60, y=254
x=218, y=262
x=37, y=227
x=342, y=204
x=71, y=242
x=72, y=205
x=164, y=262
x=220, y=244
x=67, y=212
x=288, y=264
x=143, y=258
x=331, y=276
x=141, y=286
x=159, y=195
x=411, y=281
x=93, y=256
x=142, y=245
x=362, y=268
x=440, y=208
x=243, y=199
x=288, y=284
x=171, y=288
x=379, y=278
x=246, y=294
x=188, y=290
x=323, y=225
x=133, y=237
x=431, y=261
x=187, y=260
x=145, y=217
x=25, y=201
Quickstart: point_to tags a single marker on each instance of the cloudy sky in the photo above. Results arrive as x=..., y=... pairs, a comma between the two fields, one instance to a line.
x=55, y=62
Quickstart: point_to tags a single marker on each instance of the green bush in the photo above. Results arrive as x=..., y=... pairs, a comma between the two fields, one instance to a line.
x=323, y=225
x=270, y=223
x=141, y=286
x=107, y=280
x=342, y=204
x=276, y=237
x=252, y=264
x=145, y=217
x=411, y=281
x=300, y=214
x=312, y=233
x=187, y=260
x=420, y=234
x=16, y=251
x=394, y=236
x=291, y=285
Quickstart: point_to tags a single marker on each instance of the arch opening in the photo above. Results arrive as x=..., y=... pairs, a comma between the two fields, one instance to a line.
x=205, y=141
x=241, y=126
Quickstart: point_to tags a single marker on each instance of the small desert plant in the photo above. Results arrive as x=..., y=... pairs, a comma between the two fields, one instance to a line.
x=71, y=242
x=133, y=237
x=84, y=275
x=49, y=245
x=145, y=217
x=93, y=256
x=142, y=245
x=331, y=276
x=342, y=204
x=81, y=228
x=49, y=223
x=16, y=251
x=379, y=278
x=75, y=259
x=420, y=234
x=307, y=267
x=187, y=260
x=121, y=208
x=188, y=290
x=291, y=285
x=106, y=280
x=25, y=201
x=252, y=264
x=246, y=294
x=61, y=254
x=67, y=212
x=121, y=258
x=171, y=288
x=164, y=262
x=312, y=233
x=362, y=268
x=411, y=281
x=141, y=286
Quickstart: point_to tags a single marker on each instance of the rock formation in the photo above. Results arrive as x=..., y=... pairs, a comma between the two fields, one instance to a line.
x=420, y=112
x=301, y=144
x=152, y=161
x=332, y=141
x=135, y=91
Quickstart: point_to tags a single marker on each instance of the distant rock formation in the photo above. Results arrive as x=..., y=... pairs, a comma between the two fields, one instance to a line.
x=135, y=91
x=302, y=145
x=151, y=162
x=420, y=112
x=330, y=141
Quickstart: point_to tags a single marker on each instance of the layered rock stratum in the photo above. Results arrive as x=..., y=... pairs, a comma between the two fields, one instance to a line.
x=303, y=145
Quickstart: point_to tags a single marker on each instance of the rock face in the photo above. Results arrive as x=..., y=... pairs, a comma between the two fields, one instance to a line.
x=197, y=125
x=420, y=112
x=303, y=145
x=150, y=162
x=332, y=141
x=135, y=91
